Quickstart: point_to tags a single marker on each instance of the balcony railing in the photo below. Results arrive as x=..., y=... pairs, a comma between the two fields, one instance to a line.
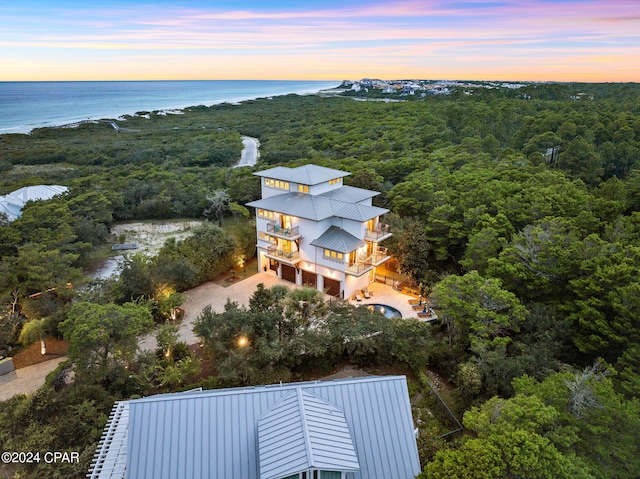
x=286, y=255
x=379, y=256
x=363, y=264
x=276, y=229
x=357, y=268
x=380, y=231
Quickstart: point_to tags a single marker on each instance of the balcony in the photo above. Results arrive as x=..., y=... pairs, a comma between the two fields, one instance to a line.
x=380, y=233
x=379, y=257
x=364, y=264
x=358, y=269
x=291, y=257
x=277, y=230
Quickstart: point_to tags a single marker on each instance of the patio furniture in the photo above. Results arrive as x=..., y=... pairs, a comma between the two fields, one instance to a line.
x=366, y=294
x=358, y=297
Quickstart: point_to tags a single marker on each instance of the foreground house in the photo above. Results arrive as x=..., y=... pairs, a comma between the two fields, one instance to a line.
x=344, y=429
x=314, y=230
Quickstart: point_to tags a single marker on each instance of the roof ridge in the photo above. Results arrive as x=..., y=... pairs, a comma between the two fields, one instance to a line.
x=305, y=428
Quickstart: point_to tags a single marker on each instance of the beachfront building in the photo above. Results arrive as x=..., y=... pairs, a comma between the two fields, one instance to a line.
x=313, y=230
x=359, y=428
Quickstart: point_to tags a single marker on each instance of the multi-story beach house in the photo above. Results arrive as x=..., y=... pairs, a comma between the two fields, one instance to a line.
x=313, y=230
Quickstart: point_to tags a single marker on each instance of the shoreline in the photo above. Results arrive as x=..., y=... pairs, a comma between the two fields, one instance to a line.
x=71, y=122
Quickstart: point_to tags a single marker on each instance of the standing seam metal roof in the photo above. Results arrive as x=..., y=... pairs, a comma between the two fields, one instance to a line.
x=339, y=240
x=306, y=175
x=307, y=430
x=317, y=208
x=350, y=194
x=214, y=434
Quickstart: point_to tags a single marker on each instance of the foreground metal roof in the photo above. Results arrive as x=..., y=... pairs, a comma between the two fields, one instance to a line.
x=305, y=175
x=309, y=431
x=317, y=208
x=214, y=434
x=337, y=239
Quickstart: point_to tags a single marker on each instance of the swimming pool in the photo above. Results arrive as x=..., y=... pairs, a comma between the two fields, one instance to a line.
x=388, y=311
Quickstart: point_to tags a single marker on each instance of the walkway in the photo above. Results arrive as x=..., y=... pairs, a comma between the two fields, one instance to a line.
x=26, y=380
x=250, y=153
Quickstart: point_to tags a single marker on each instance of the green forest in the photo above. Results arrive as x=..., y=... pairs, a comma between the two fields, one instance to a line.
x=517, y=211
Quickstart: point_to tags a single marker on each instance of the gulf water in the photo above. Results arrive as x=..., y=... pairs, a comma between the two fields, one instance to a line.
x=28, y=105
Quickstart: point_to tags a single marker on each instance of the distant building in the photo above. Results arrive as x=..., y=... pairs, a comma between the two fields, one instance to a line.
x=345, y=429
x=312, y=230
x=13, y=203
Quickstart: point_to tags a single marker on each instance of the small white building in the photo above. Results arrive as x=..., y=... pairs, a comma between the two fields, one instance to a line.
x=12, y=204
x=313, y=230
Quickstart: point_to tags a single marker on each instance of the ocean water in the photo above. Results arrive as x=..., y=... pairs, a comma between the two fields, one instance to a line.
x=28, y=105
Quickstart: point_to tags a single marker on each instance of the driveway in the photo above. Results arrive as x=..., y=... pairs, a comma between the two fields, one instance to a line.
x=214, y=295
x=26, y=380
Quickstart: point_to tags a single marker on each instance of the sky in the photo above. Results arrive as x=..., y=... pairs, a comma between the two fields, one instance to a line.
x=530, y=40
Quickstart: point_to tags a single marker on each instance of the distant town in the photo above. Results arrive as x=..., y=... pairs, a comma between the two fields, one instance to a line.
x=422, y=87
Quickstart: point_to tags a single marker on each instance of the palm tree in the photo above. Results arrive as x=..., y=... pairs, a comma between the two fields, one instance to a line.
x=34, y=330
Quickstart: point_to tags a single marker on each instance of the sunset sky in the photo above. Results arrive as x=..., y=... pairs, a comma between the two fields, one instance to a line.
x=535, y=40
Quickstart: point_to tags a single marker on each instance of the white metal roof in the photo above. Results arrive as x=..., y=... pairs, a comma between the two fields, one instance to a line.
x=337, y=239
x=214, y=434
x=12, y=203
x=349, y=194
x=309, y=431
x=306, y=175
x=317, y=208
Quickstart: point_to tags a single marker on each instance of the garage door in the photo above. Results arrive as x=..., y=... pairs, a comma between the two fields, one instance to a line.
x=332, y=286
x=288, y=273
x=309, y=279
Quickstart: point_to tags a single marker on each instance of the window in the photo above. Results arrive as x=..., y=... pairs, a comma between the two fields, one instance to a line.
x=265, y=237
x=333, y=255
x=270, y=182
x=303, y=188
x=270, y=215
x=337, y=180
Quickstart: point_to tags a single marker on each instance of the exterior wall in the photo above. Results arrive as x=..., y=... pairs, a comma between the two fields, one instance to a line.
x=324, y=187
x=268, y=191
x=355, y=283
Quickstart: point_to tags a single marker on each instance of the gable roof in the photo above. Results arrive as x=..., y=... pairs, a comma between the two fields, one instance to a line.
x=216, y=433
x=309, y=431
x=339, y=240
x=306, y=175
x=317, y=208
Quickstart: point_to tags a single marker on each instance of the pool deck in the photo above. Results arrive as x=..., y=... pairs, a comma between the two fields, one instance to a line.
x=385, y=294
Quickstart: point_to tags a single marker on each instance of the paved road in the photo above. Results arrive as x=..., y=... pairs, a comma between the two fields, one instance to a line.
x=26, y=380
